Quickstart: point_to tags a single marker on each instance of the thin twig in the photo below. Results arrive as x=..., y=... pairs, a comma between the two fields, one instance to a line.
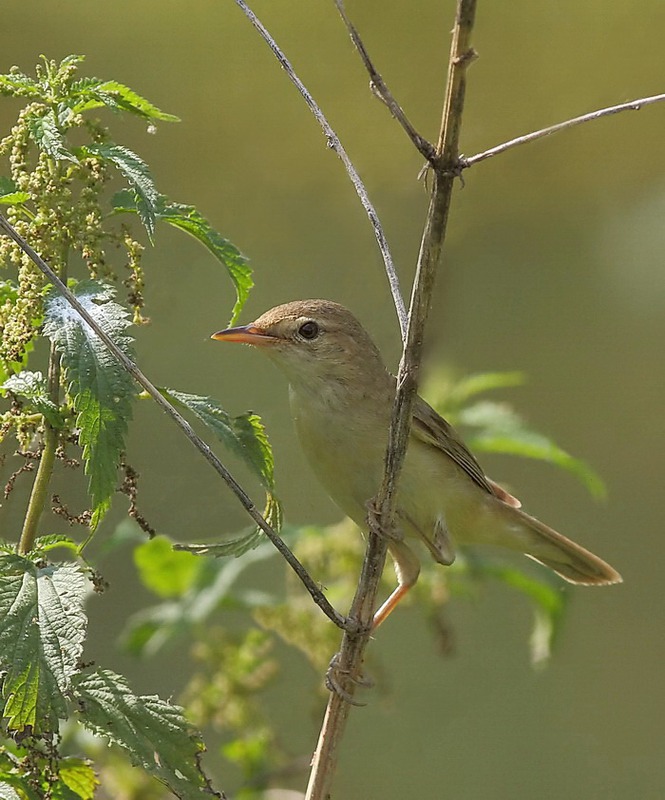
x=318, y=597
x=349, y=662
x=633, y=105
x=335, y=144
x=379, y=86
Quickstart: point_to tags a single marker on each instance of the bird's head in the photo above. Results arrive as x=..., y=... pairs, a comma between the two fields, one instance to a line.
x=313, y=342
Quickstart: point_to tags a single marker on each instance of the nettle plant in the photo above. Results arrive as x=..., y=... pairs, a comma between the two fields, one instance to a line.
x=58, y=193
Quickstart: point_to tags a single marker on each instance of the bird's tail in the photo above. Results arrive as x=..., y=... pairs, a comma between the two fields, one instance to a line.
x=568, y=559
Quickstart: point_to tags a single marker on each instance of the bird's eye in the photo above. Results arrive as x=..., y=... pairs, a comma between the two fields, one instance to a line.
x=309, y=329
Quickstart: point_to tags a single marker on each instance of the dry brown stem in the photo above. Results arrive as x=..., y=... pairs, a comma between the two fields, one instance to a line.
x=350, y=658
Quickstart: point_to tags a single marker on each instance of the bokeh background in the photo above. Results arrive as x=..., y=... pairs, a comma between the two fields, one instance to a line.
x=554, y=266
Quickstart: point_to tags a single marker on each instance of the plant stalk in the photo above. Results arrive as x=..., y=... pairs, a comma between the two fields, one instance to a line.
x=39, y=492
x=381, y=522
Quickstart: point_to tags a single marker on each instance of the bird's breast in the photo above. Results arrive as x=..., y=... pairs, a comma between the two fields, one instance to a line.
x=345, y=448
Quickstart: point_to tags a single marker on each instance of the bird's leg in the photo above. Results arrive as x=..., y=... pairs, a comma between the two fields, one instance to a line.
x=407, y=568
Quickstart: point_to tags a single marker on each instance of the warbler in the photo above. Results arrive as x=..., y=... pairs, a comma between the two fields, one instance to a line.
x=341, y=397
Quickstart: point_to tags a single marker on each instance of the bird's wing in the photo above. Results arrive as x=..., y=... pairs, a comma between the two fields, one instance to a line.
x=432, y=428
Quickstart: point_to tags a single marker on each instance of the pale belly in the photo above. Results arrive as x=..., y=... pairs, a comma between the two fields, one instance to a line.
x=349, y=464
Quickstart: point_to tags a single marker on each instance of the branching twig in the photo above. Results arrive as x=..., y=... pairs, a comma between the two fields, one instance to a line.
x=318, y=597
x=633, y=105
x=379, y=87
x=350, y=657
x=335, y=144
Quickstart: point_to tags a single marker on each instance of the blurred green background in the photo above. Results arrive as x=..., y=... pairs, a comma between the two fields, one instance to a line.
x=555, y=266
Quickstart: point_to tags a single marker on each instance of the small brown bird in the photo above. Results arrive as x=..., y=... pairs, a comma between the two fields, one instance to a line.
x=341, y=399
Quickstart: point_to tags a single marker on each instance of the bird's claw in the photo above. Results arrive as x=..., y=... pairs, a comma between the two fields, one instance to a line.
x=333, y=684
x=375, y=523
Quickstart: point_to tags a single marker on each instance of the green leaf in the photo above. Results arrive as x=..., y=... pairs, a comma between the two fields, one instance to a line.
x=16, y=84
x=42, y=629
x=135, y=170
x=32, y=386
x=244, y=435
x=162, y=570
x=232, y=546
x=14, y=199
x=503, y=431
x=471, y=385
x=215, y=586
x=153, y=732
x=47, y=136
x=92, y=93
x=9, y=292
x=9, y=194
x=188, y=219
x=78, y=776
x=44, y=544
x=102, y=390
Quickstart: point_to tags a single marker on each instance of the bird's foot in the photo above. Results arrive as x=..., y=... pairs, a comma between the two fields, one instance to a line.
x=376, y=525
x=336, y=675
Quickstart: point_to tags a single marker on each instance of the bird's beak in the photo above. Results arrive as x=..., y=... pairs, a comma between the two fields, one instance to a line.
x=247, y=334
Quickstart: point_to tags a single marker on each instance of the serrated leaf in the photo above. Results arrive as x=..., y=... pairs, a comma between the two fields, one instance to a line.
x=33, y=386
x=232, y=546
x=237, y=546
x=47, y=136
x=44, y=544
x=503, y=431
x=102, y=390
x=153, y=732
x=187, y=218
x=135, y=170
x=93, y=93
x=8, y=792
x=244, y=435
x=42, y=629
x=162, y=570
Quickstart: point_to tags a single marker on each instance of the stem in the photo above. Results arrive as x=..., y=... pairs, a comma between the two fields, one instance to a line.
x=381, y=521
x=335, y=144
x=633, y=105
x=39, y=492
x=379, y=87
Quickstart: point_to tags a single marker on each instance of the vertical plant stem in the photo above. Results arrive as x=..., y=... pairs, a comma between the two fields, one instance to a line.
x=39, y=492
x=446, y=169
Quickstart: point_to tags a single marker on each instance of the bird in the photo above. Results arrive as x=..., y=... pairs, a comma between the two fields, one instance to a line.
x=341, y=397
